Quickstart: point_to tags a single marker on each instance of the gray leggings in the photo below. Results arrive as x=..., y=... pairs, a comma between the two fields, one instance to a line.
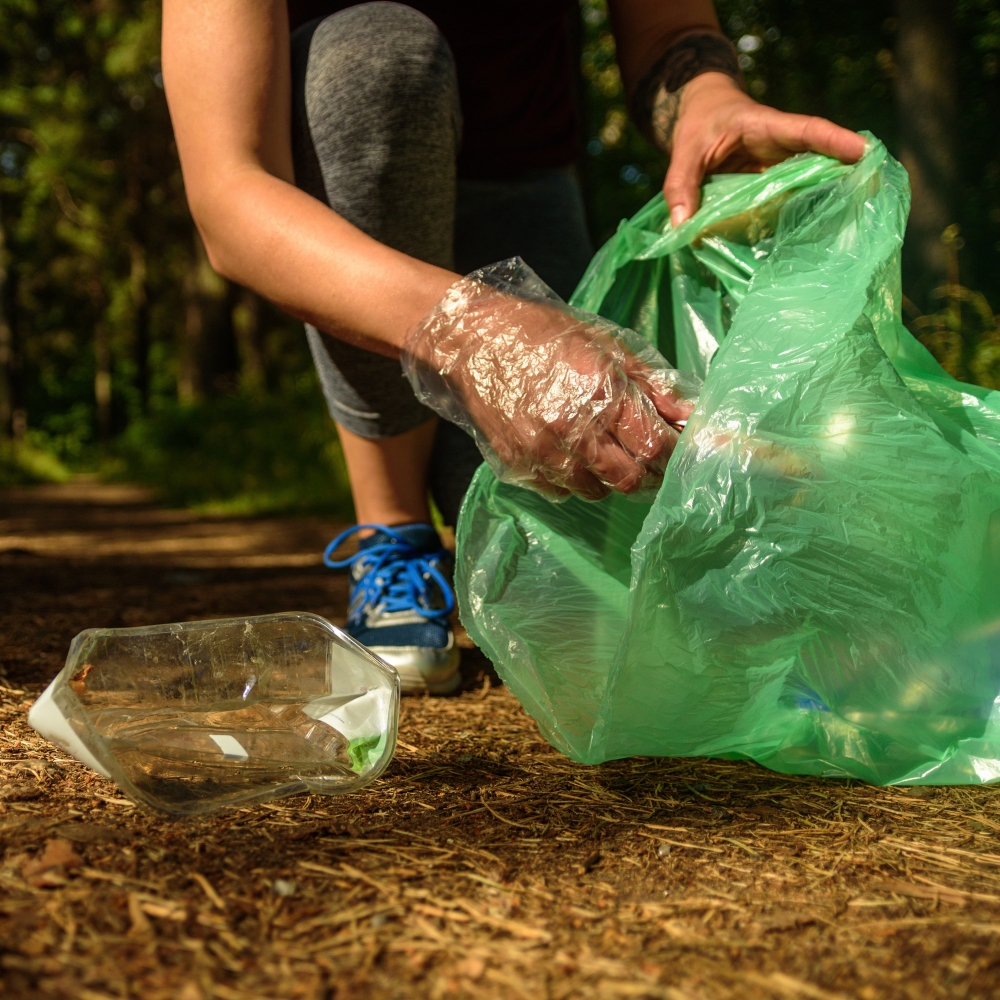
x=376, y=128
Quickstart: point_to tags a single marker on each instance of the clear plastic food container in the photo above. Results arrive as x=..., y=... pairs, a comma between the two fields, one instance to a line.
x=196, y=716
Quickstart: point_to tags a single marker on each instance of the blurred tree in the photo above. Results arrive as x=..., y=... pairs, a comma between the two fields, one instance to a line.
x=6, y=399
x=247, y=316
x=89, y=183
x=110, y=305
x=964, y=335
x=112, y=319
x=621, y=169
x=927, y=105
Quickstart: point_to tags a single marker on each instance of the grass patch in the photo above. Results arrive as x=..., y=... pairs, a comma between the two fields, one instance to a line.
x=23, y=463
x=240, y=455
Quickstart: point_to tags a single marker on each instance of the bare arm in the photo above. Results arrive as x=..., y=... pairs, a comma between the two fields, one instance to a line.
x=226, y=69
x=227, y=74
x=645, y=29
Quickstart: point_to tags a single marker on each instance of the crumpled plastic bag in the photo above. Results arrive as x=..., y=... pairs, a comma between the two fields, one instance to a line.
x=816, y=585
x=558, y=400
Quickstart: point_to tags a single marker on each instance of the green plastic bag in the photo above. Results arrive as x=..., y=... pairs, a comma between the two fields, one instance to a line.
x=817, y=583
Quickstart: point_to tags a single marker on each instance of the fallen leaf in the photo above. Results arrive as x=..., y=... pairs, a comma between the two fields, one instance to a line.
x=57, y=853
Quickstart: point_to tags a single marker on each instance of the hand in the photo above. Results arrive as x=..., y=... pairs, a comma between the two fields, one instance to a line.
x=558, y=401
x=722, y=130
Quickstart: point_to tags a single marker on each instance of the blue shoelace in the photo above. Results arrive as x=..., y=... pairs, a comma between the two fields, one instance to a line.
x=394, y=575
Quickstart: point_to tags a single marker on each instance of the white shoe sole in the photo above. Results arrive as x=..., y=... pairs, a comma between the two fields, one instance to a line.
x=421, y=670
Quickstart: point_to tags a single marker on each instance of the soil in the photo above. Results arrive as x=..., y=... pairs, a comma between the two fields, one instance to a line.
x=483, y=863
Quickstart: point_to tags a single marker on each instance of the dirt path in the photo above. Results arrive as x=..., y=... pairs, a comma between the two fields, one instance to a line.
x=482, y=864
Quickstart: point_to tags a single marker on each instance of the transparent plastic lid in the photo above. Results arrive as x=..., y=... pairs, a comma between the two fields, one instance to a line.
x=197, y=716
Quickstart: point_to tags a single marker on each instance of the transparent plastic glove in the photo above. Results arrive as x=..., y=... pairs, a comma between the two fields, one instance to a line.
x=558, y=400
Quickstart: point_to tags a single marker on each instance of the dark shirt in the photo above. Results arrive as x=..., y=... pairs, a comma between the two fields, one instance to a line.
x=516, y=79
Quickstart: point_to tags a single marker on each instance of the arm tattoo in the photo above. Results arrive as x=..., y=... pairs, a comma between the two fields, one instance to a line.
x=657, y=98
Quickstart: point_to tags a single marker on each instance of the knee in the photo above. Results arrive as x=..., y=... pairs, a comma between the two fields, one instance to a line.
x=383, y=47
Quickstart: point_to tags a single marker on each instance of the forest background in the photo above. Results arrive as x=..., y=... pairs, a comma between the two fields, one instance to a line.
x=124, y=355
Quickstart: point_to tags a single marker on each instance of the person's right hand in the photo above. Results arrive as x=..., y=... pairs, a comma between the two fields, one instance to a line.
x=558, y=400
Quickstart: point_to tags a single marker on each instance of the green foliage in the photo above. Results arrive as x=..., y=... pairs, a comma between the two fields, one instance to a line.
x=90, y=192
x=622, y=170
x=25, y=462
x=115, y=315
x=963, y=334
x=832, y=60
x=119, y=328
x=979, y=142
x=241, y=454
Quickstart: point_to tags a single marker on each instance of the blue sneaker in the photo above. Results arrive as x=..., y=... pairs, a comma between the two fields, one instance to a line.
x=400, y=603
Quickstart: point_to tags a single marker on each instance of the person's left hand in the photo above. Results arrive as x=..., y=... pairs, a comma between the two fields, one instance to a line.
x=721, y=130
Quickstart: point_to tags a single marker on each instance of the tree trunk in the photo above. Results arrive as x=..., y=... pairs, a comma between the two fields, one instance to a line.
x=14, y=373
x=6, y=403
x=926, y=97
x=140, y=312
x=247, y=326
x=6, y=343
x=208, y=359
x=102, y=380
x=220, y=351
x=189, y=354
x=189, y=383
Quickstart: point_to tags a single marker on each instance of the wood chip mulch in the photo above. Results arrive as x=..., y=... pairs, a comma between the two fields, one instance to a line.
x=482, y=864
